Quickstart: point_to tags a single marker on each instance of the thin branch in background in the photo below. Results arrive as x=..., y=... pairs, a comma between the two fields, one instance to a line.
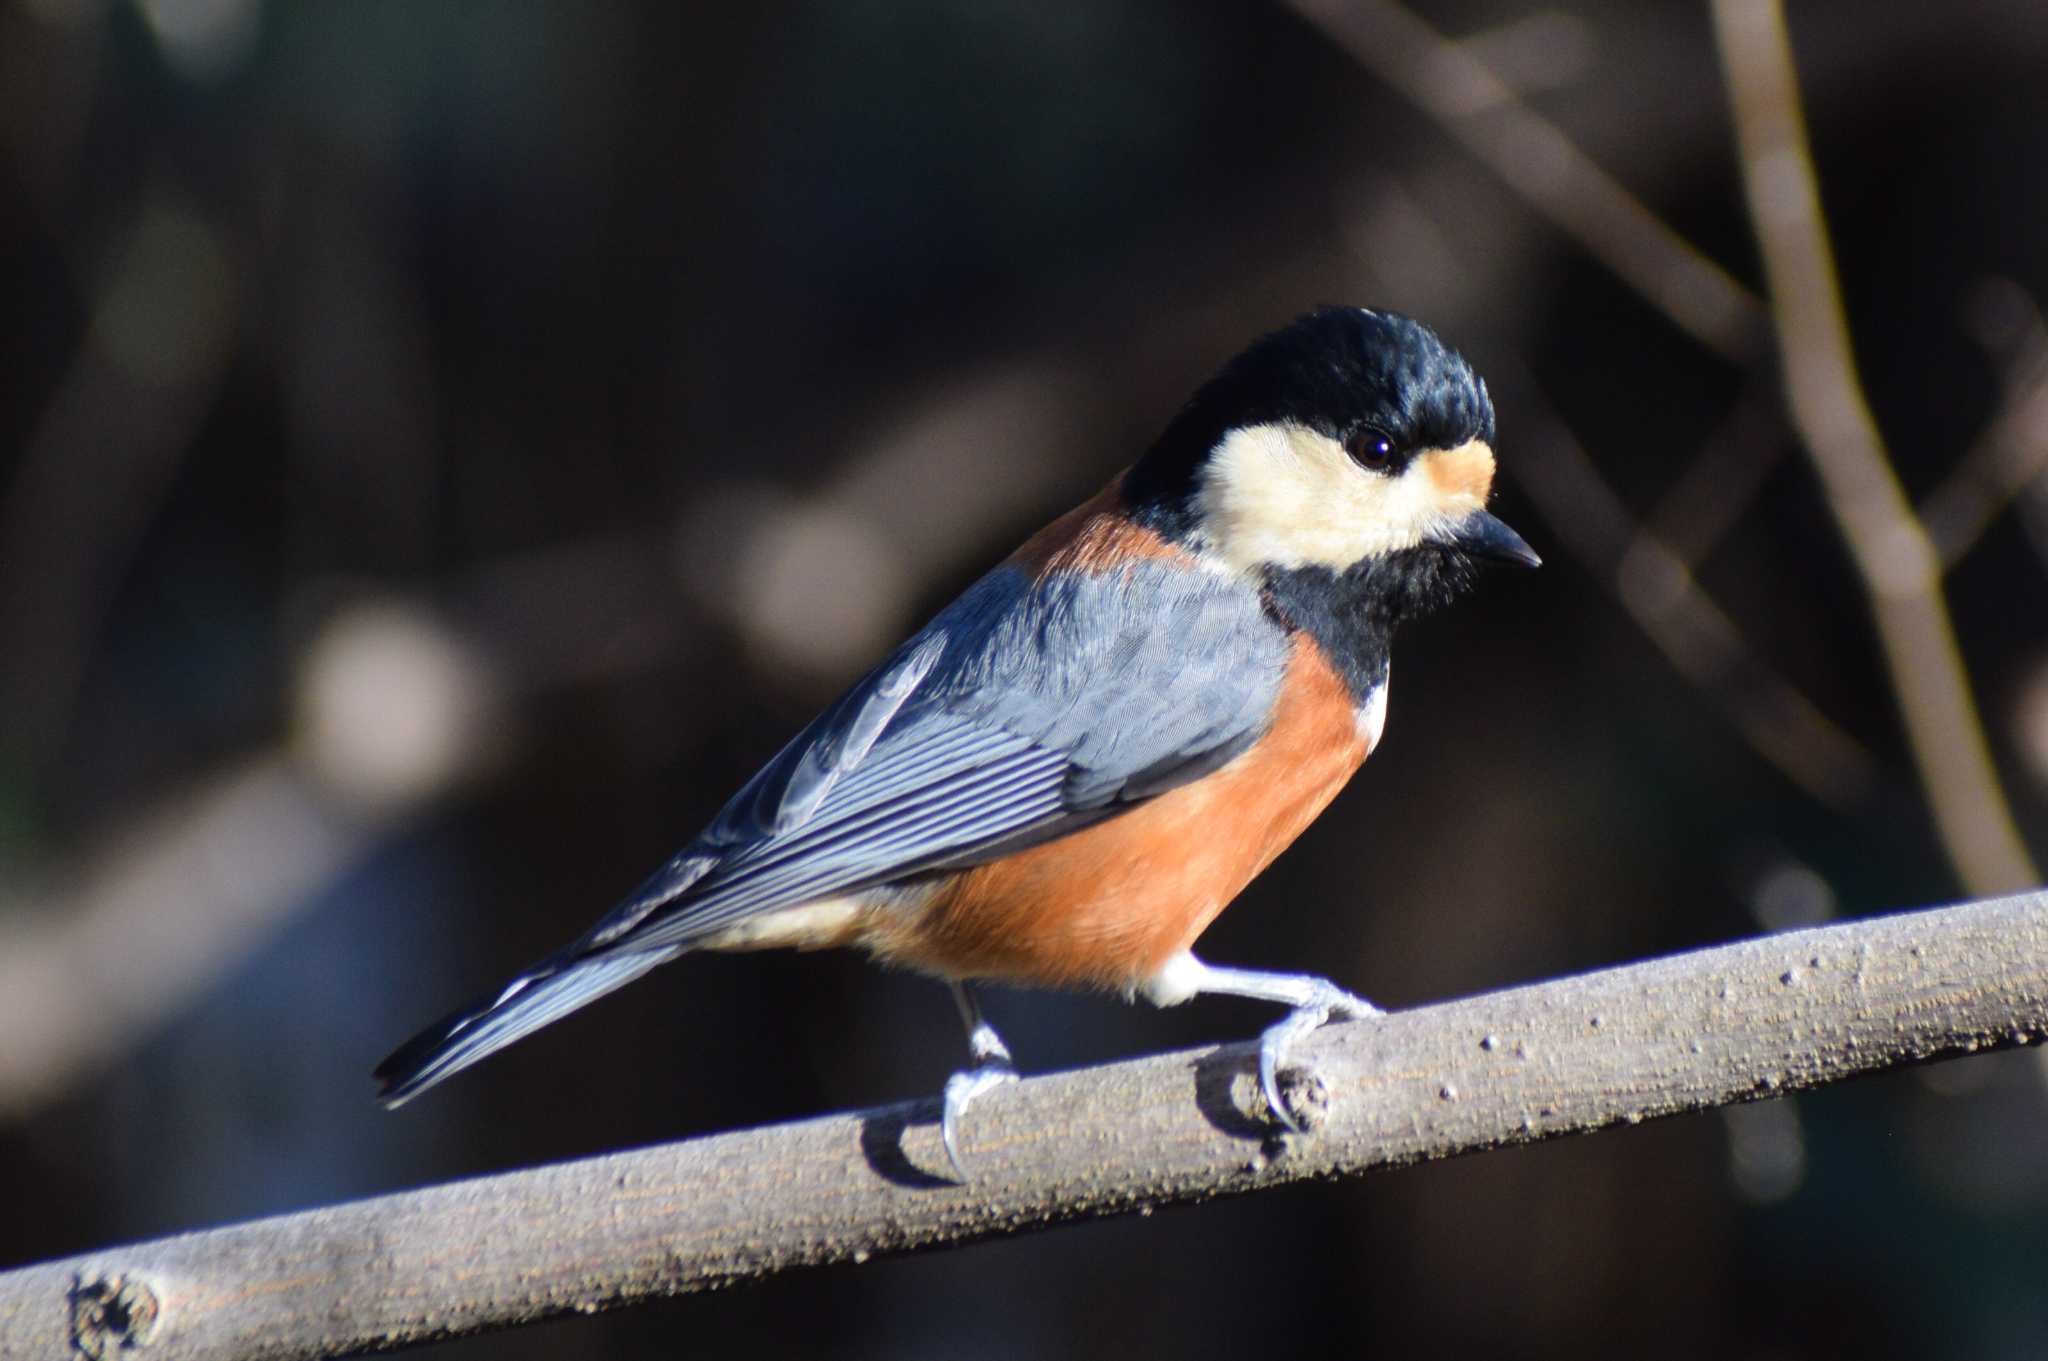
x=1890, y=548
x=2013, y=450
x=103, y=455
x=1451, y=83
x=2033, y=515
x=163, y=914
x=1696, y=512
x=1657, y=588
x=1713, y=1028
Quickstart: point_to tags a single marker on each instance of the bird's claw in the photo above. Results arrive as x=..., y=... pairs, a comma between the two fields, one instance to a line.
x=1328, y=1003
x=961, y=1089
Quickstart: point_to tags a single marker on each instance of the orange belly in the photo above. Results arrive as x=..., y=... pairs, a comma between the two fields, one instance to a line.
x=1109, y=906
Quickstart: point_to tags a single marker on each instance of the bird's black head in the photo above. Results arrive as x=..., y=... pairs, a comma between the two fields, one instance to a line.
x=1335, y=371
x=1348, y=436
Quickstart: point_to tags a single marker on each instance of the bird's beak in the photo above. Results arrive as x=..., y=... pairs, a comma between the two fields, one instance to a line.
x=1482, y=535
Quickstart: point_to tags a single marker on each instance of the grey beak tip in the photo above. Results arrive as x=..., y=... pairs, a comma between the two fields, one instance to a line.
x=1485, y=535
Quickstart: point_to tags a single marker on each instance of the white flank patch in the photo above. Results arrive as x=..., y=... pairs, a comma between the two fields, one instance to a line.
x=1180, y=979
x=1372, y=715
x=1284, y=496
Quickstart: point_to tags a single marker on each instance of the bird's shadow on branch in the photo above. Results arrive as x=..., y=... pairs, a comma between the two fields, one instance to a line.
x=1226, y=1092
x=881, y=1143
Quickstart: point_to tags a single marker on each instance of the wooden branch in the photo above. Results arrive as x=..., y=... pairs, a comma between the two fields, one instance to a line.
x=1718, y=1026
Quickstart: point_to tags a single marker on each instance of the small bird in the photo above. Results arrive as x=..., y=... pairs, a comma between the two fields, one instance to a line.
x=1067, y=774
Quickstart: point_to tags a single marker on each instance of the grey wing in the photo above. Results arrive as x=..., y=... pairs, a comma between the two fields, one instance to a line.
x=1024, y=711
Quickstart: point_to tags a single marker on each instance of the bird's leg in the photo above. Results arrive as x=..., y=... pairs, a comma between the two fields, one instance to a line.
x=1315, y=1001
x=992, y=1067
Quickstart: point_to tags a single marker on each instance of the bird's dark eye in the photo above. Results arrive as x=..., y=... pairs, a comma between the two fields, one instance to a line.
x=1373, y=450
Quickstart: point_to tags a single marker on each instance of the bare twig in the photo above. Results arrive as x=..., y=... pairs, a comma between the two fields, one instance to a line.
x=1452, y=84
x=174, y=905
x=2013, y=450
x=1697, y=511
x=1890, y=548
x=103, y=454
x=1737, y=1023
x=1656, y=586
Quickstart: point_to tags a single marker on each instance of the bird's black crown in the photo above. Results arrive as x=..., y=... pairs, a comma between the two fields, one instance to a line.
x=1337, y=370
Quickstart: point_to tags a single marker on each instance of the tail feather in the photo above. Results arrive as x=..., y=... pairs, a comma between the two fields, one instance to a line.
x=545, y=993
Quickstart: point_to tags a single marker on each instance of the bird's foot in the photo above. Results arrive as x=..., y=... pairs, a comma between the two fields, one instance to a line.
x=961, y=1089
x=1324, y=1002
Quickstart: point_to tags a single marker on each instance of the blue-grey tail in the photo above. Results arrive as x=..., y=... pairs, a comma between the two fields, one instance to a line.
x=547, y=992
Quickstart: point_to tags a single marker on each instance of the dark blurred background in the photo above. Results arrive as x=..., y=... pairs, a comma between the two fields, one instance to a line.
x=443, y=449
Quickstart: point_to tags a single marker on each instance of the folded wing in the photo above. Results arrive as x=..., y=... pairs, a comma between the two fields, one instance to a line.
x=1026, y=710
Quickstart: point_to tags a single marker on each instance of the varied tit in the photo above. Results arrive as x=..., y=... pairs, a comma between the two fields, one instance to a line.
x=1066, y=775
